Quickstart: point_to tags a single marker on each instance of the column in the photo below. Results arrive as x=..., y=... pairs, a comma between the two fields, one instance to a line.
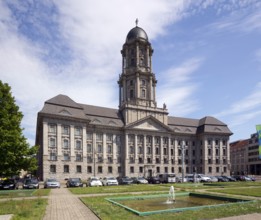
x=169, y=151
x=152, y=149
x=72, y=144
x=104, y=147
x=136, y=147
x=144, y=149
x=126, y=146
x=138, y=85
x=84, y=142
x=161, y=149
x=59, y=140
x=151, y=90
x=114, y=147
x=45, y=138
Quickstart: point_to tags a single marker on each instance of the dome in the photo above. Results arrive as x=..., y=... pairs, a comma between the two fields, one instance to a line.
x=137, y=33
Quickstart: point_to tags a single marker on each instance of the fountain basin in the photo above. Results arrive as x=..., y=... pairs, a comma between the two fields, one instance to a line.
x=154, y=204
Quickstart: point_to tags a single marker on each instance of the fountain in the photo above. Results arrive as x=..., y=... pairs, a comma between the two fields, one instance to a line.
x=171, y=196
x=154, y=204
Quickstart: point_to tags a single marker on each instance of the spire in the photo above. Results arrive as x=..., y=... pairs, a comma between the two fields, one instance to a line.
x=137, y=21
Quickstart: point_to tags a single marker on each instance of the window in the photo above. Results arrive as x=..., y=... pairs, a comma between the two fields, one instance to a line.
x=78, y=169
x=158, y=169
x=109, y=137
x=165, y=151
x=53, y=168
x=110, y=160
x=172, y=170
x=131, y=94
x=89, y=136
x=165, y=160
x=109, y=149
x=131, y=169
x=148, y=160
x=66, y=168
x=118, y=149
x=89, y=169
x=66, y=130
x=157, y=150
x=209, y=151
x=109, y=169
x=52, y=142
x=66, y=143
x=119, y=169
x=89, y=159
x=66, y=156
x=52, y=128
x=53, y=156
x=148, y=150
x=99, y=137
x=89, y=148
x=210, y=169
x=131, y=82
x=141, y=169
x=140, y=150
x=131, y=150
x=157, y=160
x=140, y=160
x=217, y=151
x=143, y=82
x=78, y=157
x=78, y=144
x=143, y=93
x=99, y=148
x=99, y=169
x=166, y=169
x=78, y=131
x=217, y=169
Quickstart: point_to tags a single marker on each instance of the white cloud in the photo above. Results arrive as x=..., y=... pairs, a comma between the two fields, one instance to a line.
x=178, y=87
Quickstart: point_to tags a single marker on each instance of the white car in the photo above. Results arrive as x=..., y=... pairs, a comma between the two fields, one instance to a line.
x=52, y=183
x=110, y=181
x=94, y=181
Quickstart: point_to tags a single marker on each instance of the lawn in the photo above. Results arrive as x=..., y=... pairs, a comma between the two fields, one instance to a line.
x=23, y=193
x=25, y=209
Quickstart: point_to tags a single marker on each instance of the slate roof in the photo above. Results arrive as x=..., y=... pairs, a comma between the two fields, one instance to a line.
x=64, y=106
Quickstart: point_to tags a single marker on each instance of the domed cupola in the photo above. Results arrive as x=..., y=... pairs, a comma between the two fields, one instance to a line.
x=136, y=33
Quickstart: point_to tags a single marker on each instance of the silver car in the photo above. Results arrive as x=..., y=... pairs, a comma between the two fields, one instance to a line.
x=51, y=183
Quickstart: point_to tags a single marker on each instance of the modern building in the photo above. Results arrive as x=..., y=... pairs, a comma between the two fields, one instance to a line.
x=137, y=139
x=245, y=156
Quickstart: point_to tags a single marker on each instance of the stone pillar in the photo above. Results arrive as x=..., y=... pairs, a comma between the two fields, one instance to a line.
x=153, y=149
x=114, y=148
x=138, y=86
x=45, y=138
x=84, y=142
x=144, y=149
x=136, y=147
x=104, y=147
x=72, y=141
x=161, y=149
x=59, y=140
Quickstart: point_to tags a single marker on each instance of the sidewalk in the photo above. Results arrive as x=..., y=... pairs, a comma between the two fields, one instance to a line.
x=62, y=204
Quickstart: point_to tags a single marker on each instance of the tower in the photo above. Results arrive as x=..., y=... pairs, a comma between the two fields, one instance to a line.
x=137, y=82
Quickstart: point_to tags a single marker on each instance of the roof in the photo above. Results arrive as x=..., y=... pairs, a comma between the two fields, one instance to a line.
x=64, y=106
x=137, y=33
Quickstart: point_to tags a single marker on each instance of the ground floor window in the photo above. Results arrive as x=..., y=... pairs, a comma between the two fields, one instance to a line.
x=109, y=169
x=89, y=169
x=53, y=168
x=131, y=169
x=78, y=169
x=66, y=168
x=99, y=169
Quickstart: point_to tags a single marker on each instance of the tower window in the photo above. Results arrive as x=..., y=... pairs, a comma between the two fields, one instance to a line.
x=131, y=82
x=131, y=94
x=143, y=93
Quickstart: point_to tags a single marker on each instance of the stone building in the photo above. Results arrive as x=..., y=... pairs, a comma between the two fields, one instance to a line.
x=245, y=156
x=137, y=139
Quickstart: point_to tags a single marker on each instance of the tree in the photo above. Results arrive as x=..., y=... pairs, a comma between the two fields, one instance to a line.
x=15, y=152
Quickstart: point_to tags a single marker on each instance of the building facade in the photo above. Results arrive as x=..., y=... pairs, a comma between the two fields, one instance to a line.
x=137, y=139
x=245, y=156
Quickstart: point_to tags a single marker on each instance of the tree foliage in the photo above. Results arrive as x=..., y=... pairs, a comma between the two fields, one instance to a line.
x=15, y=152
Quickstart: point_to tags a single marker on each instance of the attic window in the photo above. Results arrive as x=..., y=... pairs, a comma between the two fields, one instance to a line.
x=65, y=112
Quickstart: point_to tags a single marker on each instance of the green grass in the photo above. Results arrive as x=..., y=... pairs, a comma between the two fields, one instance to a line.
x=26, y=209
x=249, y=191
x=23, y=193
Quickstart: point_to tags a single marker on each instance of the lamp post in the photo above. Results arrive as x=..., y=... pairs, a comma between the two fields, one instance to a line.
x=94, y=164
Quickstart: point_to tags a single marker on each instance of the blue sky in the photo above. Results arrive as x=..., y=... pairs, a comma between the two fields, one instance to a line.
x=207, y=55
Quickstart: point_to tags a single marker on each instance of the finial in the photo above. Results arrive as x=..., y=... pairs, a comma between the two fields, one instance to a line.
x=137, y=21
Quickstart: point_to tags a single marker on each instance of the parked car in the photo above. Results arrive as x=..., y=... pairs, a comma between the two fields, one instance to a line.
x=110, y=181
x=125, y=180
x=139, y=180
x=222, y=179
x=213, y=179
x=94, y=181
x=74, y=182
x=154, y=180
x=8, y=184
x=31, y=184
x=51, y=183
x=179, y=179
x=230, y=178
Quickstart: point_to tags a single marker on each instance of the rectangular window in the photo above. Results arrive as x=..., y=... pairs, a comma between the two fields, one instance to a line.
x=99, y=148
x=78, y=157
x=53, y=168
x=109, y=149
x=217, y=169
x=52, y=142
x=89, y=159
x=99, y=169
x=52, y=128
x=141, y=169
x=119, y=169
x=66, y=143
x=78, y=169
x=89, y=169
x=131, y=169
x=210, y=169
x=89, y=148
x=78, y=144
x=65, y=130
x=66, y=168
x=53, y=156
x=78, y=131
x=66, y=157
x=158, y=169
x=109, y=137
x=166, y=169
x=109, y=169
x=99, y=137
x=89, y=136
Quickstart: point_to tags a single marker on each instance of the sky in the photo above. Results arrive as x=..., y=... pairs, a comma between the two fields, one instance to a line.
x=207, y=55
